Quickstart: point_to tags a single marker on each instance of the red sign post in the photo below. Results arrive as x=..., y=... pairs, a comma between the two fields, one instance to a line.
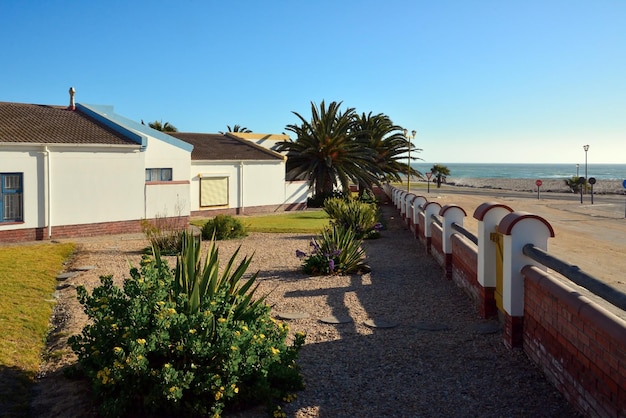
x=538, y=183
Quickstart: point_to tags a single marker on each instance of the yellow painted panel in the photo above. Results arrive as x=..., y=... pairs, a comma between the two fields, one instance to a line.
x=214, y=191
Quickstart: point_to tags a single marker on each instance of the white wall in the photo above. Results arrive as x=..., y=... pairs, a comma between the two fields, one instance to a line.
x=30, y=162
x=263, y=183
x=95, y=185
x=296, y=192
x=162, y=155
x=86, y=184
x=167, y=199
x=250, y=183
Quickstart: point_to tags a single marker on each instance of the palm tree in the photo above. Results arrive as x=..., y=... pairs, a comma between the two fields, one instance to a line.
x=388, y=143
x=326, y=151
x=159, y=126
x=440, y=172
x=237, y=128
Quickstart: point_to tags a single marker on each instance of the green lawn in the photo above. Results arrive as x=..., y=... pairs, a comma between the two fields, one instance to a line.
x=28, y=276
x=308, y=221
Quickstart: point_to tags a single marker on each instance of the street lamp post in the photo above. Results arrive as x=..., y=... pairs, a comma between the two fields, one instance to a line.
x=577, y=171
x=586, y=148
x=408, y=163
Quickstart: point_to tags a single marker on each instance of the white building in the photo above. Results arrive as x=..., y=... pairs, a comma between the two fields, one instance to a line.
x=83, y=170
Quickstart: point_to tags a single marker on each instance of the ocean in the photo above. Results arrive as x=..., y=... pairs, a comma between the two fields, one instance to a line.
x=528, y=171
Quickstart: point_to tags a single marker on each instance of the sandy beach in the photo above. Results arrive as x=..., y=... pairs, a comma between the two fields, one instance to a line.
x=528, y=185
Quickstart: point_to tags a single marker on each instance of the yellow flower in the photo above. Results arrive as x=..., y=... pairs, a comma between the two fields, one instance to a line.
x=221, y=320
x=261, y=336
x=278, y=412
x=219, y=393
x=275, y=351
x=104, y=375
x=232, y=347
x=114, y=326
x=192, y=331
x=173, y=389
x=166, y=366
x=171, y=311
x=117, y=350
x=141, y=341
x=244, y=328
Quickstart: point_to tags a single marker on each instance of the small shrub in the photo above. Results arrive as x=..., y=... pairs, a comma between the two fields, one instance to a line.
x=356, y=215
x=185, y=343
x=368, y=196
x=336, y=251
x=575, y=185
x=164, y=233
x=223, y=227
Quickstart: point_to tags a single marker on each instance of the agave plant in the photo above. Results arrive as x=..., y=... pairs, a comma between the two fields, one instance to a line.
x=201, y=281
x=354, y=214
x=336, y=251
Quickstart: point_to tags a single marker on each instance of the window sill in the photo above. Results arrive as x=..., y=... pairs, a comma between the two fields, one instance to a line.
x=154, y=183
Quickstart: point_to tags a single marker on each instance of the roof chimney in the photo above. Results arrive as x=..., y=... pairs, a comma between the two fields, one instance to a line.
x=72, y=106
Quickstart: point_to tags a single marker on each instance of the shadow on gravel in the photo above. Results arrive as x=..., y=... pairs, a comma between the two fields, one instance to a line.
x=440, y=358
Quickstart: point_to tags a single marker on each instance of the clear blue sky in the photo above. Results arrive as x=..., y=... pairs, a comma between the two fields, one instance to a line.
x=480, y=81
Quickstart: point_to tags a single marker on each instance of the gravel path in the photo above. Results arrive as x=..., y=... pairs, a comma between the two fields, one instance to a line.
x=439, y=358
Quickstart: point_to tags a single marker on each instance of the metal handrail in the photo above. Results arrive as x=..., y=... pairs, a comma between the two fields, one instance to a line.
x=436, y=219
x=573, y=273
x=467, y=234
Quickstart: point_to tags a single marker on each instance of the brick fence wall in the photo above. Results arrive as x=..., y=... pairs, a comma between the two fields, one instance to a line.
x=580, y=346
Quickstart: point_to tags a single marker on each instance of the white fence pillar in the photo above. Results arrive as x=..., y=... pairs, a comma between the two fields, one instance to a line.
x=519, y=229
x=489, y=215
x=451, y=214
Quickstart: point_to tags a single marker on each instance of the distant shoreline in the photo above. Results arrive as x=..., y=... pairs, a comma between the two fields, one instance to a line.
x=552, y=185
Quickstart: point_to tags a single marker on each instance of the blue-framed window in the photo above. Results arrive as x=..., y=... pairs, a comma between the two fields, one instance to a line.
x=158, y=174
x=11, y=197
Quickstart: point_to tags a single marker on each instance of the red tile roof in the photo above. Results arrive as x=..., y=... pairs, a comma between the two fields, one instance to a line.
x=218, y=147
x=42, y=124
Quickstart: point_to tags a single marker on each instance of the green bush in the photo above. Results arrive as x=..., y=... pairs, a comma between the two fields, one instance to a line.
x=575, y=185
x=223, y=227
x=353, y=214
x=368, y=196
x=336, y=251
x=188, y=342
